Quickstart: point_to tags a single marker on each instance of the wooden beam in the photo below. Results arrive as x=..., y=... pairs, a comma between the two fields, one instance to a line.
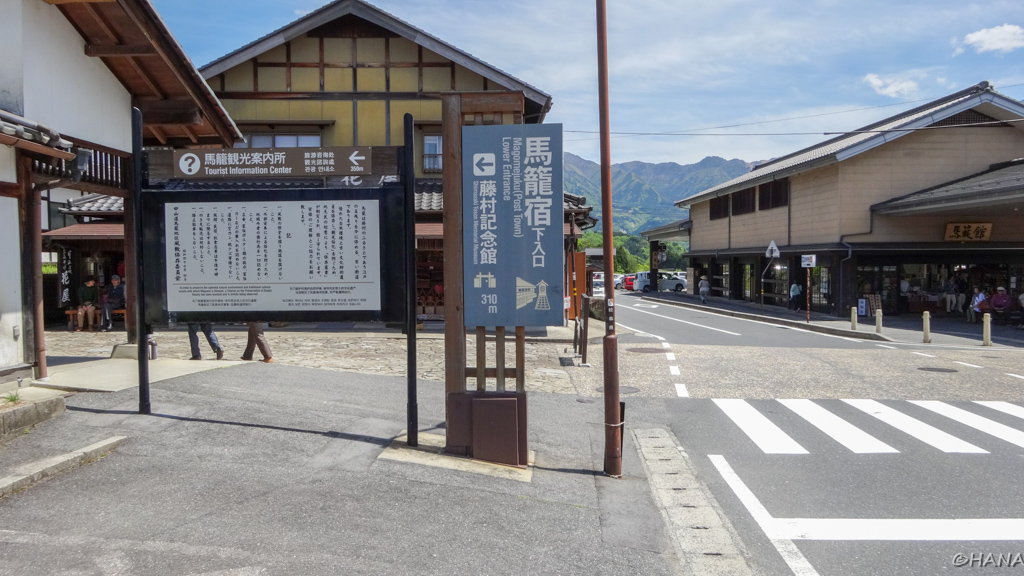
x=329, y=95
x=454, y=315
x=157, y=133
x=58, y=2
x=119, y=50
x=191, y=135
x=488, y=102
x=10, y=190
x=145, y=78
x=102, y=23
x=35, y=147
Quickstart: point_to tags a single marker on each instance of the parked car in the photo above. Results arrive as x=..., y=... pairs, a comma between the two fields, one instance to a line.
x=618, y=280
x=627, y=281
x=599, y=290
x=666, y=281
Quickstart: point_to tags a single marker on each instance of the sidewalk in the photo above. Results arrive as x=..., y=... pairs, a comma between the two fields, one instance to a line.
x=946, y=330
x=255, y=468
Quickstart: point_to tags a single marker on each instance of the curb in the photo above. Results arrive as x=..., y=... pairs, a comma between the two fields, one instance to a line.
x=21, y=418
x=31, y=473
x=773, y=320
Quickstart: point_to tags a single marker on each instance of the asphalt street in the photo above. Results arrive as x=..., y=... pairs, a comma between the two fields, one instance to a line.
x=836, y=456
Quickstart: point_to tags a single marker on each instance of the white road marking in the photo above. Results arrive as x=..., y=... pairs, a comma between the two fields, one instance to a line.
x=640, y=332
x=878, y=529
x=674, y=370
x=858, y=441
x=666, y=345
x=685, y=322
x=1015, y=375
x=925, y=433
x=1006, y=407
x=923, y=354
x=681, y=391
x=645, y=305
x=966, y=364
x=1001, y=431
x=884, y=346
x=789, y=552
x=768, y=437
x=670, y=356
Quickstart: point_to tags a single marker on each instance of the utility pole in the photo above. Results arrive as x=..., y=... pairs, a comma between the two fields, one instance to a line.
x=612, y=411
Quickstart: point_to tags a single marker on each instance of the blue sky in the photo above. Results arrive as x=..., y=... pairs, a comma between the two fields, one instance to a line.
x=779, y=68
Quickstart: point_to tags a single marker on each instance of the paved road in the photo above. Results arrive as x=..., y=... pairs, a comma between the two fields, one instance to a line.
x=832, y=456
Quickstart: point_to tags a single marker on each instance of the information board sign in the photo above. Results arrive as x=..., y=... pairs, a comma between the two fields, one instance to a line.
x=273, y=256
x=273, y=162
x=513, y=223
x=288, y=254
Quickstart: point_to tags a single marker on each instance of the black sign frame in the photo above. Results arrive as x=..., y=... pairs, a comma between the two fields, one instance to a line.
x=394, y=289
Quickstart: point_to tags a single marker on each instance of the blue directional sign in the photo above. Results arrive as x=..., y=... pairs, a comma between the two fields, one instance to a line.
x=512, y=224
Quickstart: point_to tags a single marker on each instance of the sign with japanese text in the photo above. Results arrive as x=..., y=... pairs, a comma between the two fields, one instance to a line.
x=969, y=231
x=272, y=256
x=273, y=162
x=809, y=261
x=512, y=224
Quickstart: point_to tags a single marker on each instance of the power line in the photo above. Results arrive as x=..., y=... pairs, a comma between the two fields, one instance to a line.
x=689, y=132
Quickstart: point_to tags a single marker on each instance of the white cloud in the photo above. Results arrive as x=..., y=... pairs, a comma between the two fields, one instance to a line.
x=1005, y=38
x=892, y=87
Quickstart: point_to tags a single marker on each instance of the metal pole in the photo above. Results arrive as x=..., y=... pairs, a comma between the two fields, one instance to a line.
x=808, y=295
x=412, y=407
x=612, y=411
x=140, y=300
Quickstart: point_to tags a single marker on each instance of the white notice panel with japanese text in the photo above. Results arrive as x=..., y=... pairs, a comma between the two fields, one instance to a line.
x=273, y=256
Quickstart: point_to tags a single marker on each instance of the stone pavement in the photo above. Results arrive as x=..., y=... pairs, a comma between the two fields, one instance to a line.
x=364, y=348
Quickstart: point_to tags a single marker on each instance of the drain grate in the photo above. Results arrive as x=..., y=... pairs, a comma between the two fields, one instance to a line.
x=930, y=369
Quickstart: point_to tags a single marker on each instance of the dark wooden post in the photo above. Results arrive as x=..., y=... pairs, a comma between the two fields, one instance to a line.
x=454, y=315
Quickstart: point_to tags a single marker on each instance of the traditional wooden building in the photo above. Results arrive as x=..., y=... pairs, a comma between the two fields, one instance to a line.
x=890, y=211
x=345, y=75
x=70, y=74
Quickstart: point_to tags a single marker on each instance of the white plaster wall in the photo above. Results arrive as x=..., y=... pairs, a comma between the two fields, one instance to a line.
x=11, y=87
x=11, y=350
x=65, y=89
x=8, y=167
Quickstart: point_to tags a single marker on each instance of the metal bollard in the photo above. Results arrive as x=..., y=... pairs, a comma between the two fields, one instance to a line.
x=853, y=318
x=986, y=329
x=878, y=321
x=152, y=349
x=927, y=327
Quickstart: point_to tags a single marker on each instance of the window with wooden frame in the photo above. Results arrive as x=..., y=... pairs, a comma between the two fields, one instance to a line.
x=743, y=202
x=719, y=207
x=432, y=154
x=773, y=194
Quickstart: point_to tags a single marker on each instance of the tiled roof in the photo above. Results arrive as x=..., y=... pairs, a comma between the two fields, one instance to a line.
x=89, y=231
x=1000, y=183
x=94, y=204
x=860, y=140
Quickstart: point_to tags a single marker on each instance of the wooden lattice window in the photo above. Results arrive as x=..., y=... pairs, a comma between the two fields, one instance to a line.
x=773, y=194
x=743, y=202
x=719, y=207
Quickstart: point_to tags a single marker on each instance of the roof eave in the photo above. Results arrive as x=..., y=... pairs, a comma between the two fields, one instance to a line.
x=791, y=171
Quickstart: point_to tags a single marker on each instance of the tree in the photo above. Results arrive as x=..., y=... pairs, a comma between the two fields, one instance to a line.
x=591, y=240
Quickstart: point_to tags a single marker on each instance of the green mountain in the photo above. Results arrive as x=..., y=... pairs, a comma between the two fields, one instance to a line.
x=643, y=194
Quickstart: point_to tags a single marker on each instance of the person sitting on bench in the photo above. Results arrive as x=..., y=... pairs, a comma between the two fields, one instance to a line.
x=115, y=301
x=88, y=300
x=1001, y=305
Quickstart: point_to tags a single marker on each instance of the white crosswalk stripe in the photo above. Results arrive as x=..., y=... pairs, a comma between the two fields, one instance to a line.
x=768, y=437
x=774, y=438
x=1001, y=431
x=923, y=432
x=858, y=441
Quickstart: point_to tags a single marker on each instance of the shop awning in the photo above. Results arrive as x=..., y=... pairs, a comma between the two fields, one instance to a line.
x=996, y=190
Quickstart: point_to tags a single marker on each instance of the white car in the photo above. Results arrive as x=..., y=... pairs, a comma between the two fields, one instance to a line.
x=666, y=281
x=618, y=279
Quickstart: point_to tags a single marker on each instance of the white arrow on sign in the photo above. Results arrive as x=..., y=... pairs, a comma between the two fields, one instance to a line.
x=355, y=158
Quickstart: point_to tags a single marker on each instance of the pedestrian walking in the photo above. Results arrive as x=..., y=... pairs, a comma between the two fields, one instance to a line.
x=211, y=337
x=705, y=289
x=795, y=290
x=257, y=340
x=950, y=295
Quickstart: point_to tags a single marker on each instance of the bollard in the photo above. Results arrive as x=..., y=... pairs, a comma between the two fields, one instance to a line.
x=152, y=349
x=853, y=318
x=878, y=321
x=927, y=327
x=986, y=329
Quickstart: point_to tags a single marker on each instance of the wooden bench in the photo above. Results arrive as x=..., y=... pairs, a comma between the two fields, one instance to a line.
x=72, y=315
